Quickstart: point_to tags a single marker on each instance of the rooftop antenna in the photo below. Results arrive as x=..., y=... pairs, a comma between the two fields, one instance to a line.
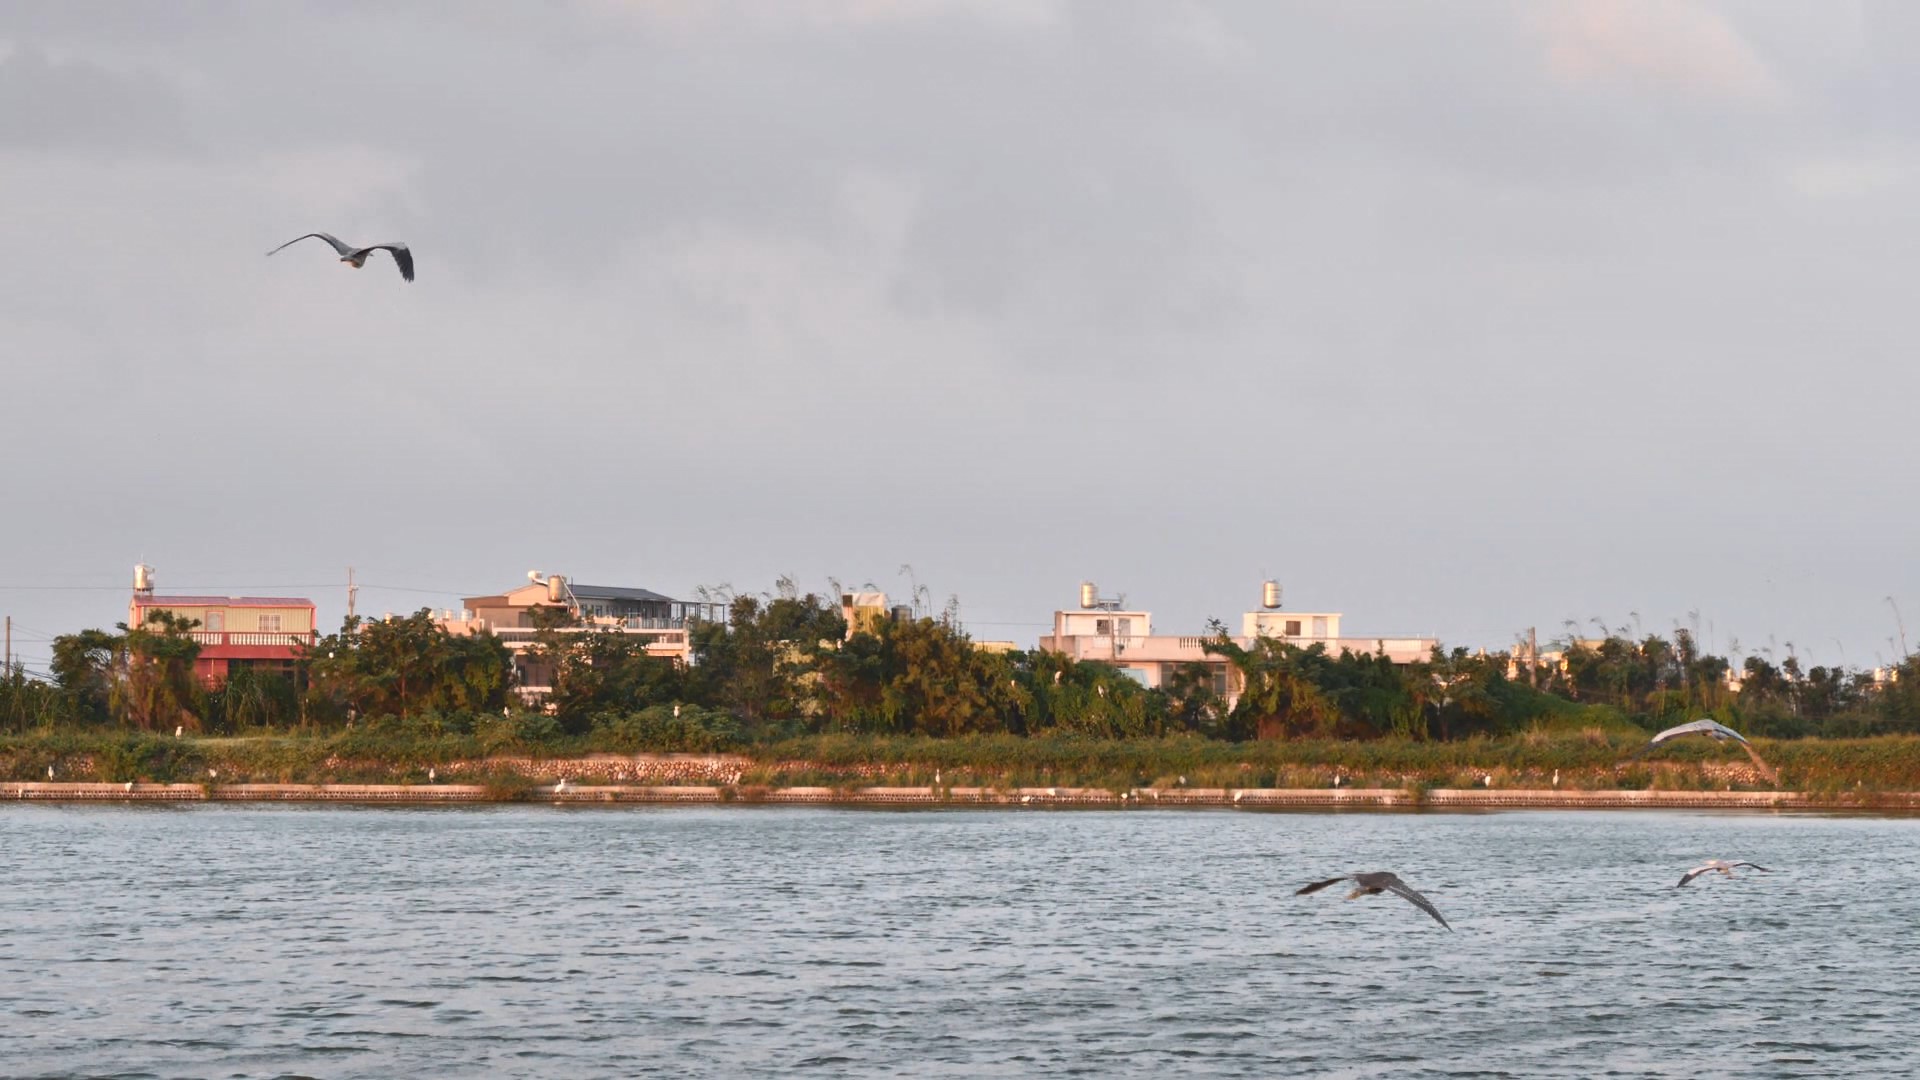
x=1902, y=623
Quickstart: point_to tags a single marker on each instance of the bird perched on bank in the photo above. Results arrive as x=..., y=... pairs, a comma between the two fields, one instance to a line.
x=356, y=257
x=1725, y=868
x=1372, y=884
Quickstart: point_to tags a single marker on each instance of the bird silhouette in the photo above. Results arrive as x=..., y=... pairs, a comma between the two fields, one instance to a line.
x=356, y=257
x=1374, y=883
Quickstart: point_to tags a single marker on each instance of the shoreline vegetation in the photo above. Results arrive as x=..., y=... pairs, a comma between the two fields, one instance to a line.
x=1576, y=764
x=781, y=696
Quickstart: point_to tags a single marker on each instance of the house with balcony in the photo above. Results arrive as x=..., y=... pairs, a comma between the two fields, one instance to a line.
x=660, y=622
x=1106, y=632
x=262, y=632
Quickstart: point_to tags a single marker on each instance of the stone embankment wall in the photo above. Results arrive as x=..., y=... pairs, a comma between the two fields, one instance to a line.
x=1142, y=798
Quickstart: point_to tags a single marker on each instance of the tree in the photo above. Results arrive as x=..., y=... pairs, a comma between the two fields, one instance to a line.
x=404, y=667
x=595, y=670
x=1277, y=699
x=85, y=668
x=756, y=662
x=159, y=690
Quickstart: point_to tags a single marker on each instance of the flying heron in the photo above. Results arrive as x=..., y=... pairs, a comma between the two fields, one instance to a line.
x=357, y=257
x=1379, y=881
x=1726, y=869
x=1712, y=729
x=1718, y=732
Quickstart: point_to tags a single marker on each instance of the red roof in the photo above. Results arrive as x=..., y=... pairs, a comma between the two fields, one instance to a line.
x=222, y=601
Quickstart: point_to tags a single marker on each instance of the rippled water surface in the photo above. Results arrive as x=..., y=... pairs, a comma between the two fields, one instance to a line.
x=537, y=941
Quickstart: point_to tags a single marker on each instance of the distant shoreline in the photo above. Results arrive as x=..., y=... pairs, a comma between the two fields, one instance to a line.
x=1048, y=797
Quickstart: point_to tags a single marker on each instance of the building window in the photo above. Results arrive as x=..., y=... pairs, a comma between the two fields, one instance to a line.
x=1293, y=628
x=1103, y=626
x=270, y=623
x=1138, y=675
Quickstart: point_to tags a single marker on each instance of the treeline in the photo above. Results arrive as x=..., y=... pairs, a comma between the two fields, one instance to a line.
x=783, y=667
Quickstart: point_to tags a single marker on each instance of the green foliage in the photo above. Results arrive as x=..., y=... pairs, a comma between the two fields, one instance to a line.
x=158, y=689
x=754, y=663
x=146, y=758
x=253, y=697
x=592, y=671
x=519, y=731
x=404, y=667
x=28, y=703
x=687, y=729
x=85, y=668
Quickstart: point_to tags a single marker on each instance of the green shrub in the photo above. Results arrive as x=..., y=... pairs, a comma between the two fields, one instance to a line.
x=687, y=729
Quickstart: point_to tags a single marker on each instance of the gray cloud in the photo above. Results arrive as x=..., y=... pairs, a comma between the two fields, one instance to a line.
x=77, y=106
x=1458, y=320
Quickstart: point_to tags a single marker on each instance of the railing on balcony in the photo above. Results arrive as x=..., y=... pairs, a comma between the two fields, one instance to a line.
x=520, y=635
x=285, y=639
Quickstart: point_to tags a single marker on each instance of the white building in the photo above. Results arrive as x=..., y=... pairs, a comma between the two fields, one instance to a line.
x=1101, y=630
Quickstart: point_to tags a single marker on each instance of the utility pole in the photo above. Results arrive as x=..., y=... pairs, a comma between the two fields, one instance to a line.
x=1533, y=658
x=7, y=670
x=353, y=592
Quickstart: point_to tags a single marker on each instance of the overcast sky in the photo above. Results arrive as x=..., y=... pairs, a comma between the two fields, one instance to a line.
x=1454, y=318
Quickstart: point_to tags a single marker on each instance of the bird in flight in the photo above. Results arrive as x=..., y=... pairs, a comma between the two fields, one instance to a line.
x=1714, y=730
x=357, y=257
x=1725, y=868
x=1371, y=884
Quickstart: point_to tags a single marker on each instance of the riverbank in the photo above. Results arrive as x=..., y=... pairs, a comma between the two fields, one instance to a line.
x=1023, y=797
x=1562, y=764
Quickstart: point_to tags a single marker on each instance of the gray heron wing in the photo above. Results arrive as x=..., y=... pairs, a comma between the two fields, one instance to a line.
x=401, y=255
x=338, y=245
x=1755, y=865
x=1402, y=889
x=1691, y=874
x=1318, y=885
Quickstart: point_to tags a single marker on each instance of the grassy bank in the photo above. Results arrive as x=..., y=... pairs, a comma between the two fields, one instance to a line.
x=1590, y=759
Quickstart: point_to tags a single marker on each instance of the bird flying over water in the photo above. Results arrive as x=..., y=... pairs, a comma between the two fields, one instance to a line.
x=1370, y=884
x=357, y=257
x=1726, y=869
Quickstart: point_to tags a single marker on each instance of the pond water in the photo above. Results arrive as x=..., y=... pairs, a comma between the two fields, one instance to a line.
x=728, y=941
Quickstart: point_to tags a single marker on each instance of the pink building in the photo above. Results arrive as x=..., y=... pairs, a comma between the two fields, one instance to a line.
x=266, y=632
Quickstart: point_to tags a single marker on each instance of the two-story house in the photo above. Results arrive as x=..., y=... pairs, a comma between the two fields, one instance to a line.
x=262, y=632
x=660, y=621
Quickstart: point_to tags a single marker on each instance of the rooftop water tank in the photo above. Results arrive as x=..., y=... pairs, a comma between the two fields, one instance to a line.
x=1270, y=595
x=1089, y=596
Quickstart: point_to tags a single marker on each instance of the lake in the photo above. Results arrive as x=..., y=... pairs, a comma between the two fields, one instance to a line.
x=264, y=940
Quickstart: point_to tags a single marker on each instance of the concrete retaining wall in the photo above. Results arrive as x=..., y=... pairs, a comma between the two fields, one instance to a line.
x=1249, y=798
